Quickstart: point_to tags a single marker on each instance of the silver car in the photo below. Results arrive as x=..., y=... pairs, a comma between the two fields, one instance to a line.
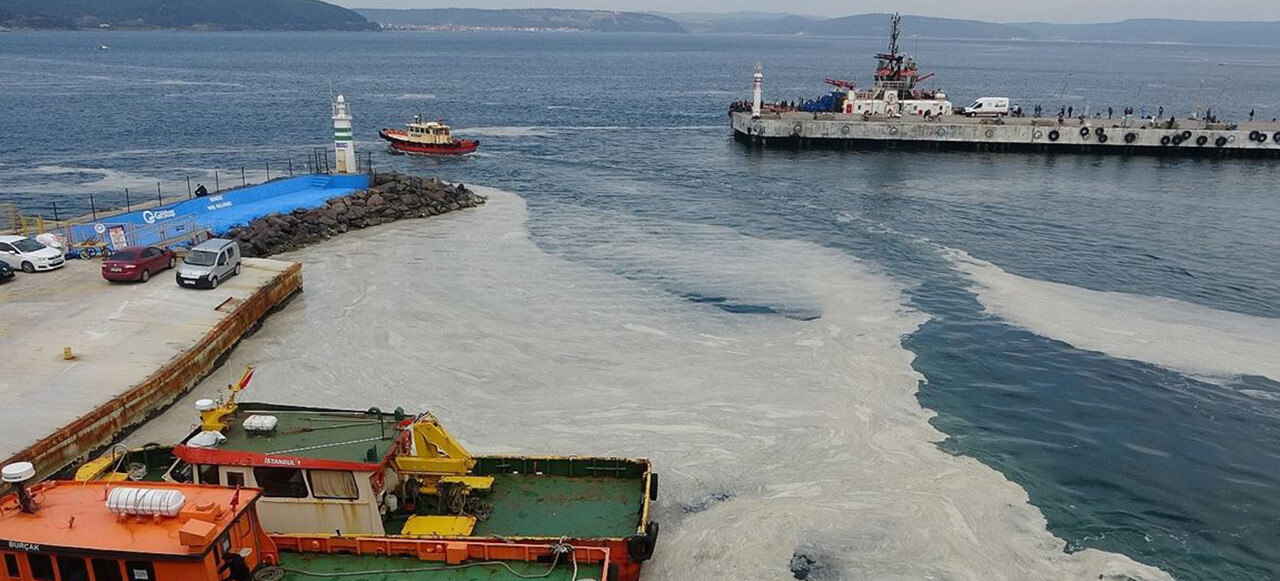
x=210, y=263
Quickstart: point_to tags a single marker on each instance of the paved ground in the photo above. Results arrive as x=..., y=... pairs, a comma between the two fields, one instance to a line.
x=119, y=332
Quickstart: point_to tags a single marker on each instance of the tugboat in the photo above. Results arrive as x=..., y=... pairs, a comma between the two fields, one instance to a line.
x=398, y=476
x=427, y=138
x=160, y=531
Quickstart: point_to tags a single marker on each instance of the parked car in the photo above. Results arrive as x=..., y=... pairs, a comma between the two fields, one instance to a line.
x=29, y=255
x=6, y=271
x=210, y=263
x=137, y=263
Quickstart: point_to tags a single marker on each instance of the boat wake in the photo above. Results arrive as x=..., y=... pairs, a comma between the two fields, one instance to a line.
x=1185, y=337
x=789, y=446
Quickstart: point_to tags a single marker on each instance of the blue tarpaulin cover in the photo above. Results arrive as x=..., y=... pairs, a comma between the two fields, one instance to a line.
x=225, y=210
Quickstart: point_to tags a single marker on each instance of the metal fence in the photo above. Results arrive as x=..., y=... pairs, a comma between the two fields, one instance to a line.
x=101, y=206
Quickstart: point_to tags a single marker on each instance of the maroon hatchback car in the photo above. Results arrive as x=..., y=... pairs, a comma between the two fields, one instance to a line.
x=137, y=263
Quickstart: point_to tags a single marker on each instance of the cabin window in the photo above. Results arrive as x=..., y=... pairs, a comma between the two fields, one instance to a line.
x=209, y=475
x=235, y=479
x=140, y=570
x=180, y=472
x=107, y=570
x=73, y=569
x=339, y=484
x=41, y=566
x=11, y=565
x=280, y=482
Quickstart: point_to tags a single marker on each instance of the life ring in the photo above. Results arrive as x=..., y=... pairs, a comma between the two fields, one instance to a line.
x=991, y=133
x=1038, y=134
x=1130, y=137
x=1102, y=138
x=795, y=129
x=1202, y=140
x=893, y=131
x=1084, y=132
x=1053, y=135
x=1253, y=135
x=1231, y=138
x=377, y=481
x=1099, y=132
x=1186, y=135
x=1276, y=137
x=942, y=132
x=1165, y=140
x=845, y=130
x=1221, y=141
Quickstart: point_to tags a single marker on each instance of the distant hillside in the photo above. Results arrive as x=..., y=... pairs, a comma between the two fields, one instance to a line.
x=1156, y=30
x=520, y=19
x=860, y=25
x=199, y=14
x=876, y=25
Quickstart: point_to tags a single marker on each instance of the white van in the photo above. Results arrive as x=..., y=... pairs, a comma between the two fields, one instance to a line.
x=988, y=107
x=210, y=263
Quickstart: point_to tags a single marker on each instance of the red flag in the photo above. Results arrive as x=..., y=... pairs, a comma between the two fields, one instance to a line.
x=235, y=499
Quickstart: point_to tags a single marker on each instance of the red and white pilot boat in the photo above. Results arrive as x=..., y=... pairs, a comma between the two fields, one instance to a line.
x=427, y=138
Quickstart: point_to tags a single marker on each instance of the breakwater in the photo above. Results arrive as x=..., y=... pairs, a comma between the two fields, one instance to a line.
x=392, y=197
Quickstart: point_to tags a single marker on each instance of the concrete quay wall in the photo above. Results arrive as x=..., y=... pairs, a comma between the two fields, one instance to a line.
x=800, y=130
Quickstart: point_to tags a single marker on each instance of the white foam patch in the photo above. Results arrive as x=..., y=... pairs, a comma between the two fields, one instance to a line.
x=57, y=179
x=1174, y=334
x=506, y=131
x=772, y=434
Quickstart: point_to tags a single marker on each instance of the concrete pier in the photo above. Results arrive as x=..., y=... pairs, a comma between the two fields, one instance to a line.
x=137, y=347
x=1093, y=136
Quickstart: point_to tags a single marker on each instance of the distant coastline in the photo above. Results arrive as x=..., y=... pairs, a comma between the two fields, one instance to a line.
x=519, y=20
x=313, y=15
x=199, y=15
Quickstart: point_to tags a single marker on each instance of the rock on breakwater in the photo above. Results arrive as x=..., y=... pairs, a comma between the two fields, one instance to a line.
x=393, y=196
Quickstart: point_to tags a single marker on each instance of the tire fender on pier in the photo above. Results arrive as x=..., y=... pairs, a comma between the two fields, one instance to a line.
x=1054, y=135
x=1130, y=137
x=1276, y=137
x=1084, y=132
x=1221, y=141
x=1203, y=139
x=1166, y=140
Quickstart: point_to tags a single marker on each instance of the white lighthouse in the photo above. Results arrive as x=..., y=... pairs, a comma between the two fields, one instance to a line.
x=755, y=93
x=344, y=149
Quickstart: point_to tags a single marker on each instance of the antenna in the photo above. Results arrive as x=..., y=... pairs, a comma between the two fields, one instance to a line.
x=18, y=474
x=893, y=38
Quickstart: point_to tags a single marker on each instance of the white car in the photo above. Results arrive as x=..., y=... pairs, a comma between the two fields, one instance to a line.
x=29, y=255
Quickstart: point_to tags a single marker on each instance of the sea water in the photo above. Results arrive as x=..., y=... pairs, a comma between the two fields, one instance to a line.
x=889, y=365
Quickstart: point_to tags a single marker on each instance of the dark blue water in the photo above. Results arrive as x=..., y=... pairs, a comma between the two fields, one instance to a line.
x=1176, y=471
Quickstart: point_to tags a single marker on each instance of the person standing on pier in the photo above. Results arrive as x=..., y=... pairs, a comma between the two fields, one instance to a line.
x=1071, y=111
x=1251, y=115
x=1109, y=111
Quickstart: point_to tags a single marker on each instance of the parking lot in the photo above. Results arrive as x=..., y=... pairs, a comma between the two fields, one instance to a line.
x=120, y=334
